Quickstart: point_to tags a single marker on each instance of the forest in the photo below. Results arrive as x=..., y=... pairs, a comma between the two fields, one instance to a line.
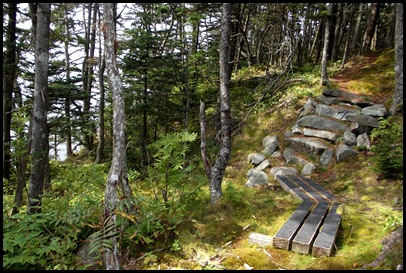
x=127, y=126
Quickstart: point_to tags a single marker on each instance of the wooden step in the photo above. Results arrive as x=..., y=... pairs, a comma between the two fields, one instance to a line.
x=283, y=238
x=324, y=243
x=313, y=226
x=305, y=237
x=319, y=188
x=295, y=190
x=307, y=188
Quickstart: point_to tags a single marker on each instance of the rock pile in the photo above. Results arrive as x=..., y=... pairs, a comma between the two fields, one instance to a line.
x=330, y=128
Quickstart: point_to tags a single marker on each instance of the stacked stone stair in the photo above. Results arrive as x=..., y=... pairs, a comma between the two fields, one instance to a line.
x=329, y=129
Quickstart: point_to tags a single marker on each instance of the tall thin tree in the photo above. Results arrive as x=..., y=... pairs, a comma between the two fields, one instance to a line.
x=118, y=170
x=39, y=127
x=324, y=76
x=9, y=75
x=397, y=102
x=223, y=156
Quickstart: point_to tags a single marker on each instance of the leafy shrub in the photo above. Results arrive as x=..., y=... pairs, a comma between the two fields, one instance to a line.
x=387, y=146
x=46, y=240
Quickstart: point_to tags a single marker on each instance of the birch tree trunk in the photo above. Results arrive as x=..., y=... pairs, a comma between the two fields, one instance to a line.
x=324, y=76
x=39, y=127
x=118, y=169
x=397, y=102
x=223, y=156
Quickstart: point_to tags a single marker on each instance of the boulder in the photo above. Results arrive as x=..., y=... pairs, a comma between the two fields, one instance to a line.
x=321, y=134
x=283, y=171
x=255, y=158
x=344, y=151
x=256, y=178
x=321, y=123
x=306, y=145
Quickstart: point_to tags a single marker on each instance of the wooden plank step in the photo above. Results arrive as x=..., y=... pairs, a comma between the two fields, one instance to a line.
x=260, y=239
x=283, y=238
x=307, y=188
x=319, y=188
x=292, y=188
x=305, y=237
x=324, y=243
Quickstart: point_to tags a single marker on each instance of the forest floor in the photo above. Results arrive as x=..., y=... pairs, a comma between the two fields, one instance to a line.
x=217, y=237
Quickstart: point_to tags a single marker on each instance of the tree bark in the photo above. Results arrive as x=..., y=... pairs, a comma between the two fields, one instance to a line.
x=397, y=102
x=118, y=170
x=102, y=65
x=355, y=37
x=69, y=151
x=203, y=150
x=225, y=111
x=324, y=76
x=369, y=33
x=9, y=76
x=39, y=129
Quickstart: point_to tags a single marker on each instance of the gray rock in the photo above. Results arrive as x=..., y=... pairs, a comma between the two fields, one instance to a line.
x=288, y=133
x=283, y=171
x=357, y=128
x=328, y=100
x=376, y=110
x=296, y=129
x=291, y=157
x=321, y=134
x=308, y=108
x=257, y=178
x=268, y=140
x=331, y=92
x=326, y=157
x=366, y=120
x=350, y=138
x=344, y=151
x=308, y=169
x=255, y=158
x=341, y=113
x=276, y=154
x=363, y=141
x=263, y=165
x=306, y=145
x=321, y=123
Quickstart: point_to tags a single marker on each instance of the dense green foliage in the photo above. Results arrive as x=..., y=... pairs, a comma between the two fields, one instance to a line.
x=388, y=148
x=168, y=57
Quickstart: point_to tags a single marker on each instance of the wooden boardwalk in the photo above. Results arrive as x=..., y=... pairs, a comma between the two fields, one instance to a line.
x=313, y=226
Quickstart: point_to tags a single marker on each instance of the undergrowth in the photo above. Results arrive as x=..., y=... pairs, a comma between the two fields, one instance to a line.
x=174, y=225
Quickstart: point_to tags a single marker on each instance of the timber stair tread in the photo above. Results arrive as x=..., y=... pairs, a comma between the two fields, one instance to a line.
x=312, y=228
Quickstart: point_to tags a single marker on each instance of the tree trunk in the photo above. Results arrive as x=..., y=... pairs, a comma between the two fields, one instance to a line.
x=225, y=111
x=21, y=170
x=102, y=65
x=324, y=76
x=9, y=75
x=39, y=128
x=397, y=102
x=337, y=33
x=369, y=32
x=69, y=151
x=355, y=37
x=203, y=150
x=118, y=170
x=100, y=147
x=319, y=40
